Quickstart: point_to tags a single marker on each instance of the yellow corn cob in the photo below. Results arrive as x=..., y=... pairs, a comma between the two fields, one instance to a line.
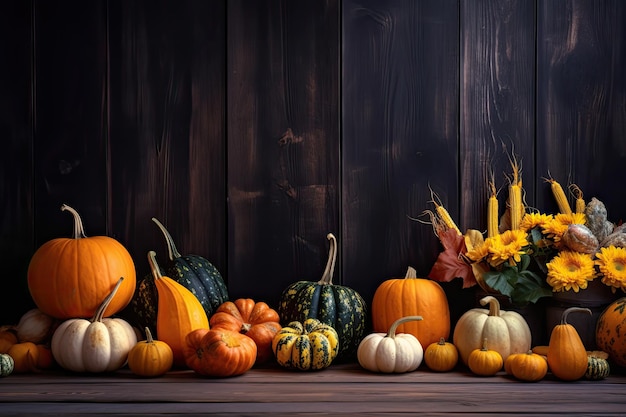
x=560, y=197
x=515, y=204
x=578, y=194
x=443, y=214
x=492, y=212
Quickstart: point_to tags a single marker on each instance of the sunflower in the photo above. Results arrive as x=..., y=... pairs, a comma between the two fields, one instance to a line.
x=612, y=264
x=557, y=226
x=532, y=220
x=570, y=271
x=508, y=246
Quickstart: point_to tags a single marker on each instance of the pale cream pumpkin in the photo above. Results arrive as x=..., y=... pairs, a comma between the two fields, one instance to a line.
x=96, y=345
x=391, y=352
x=506, y=331
x=35, y=326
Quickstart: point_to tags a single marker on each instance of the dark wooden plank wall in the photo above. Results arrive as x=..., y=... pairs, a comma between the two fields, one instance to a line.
x=253, y=128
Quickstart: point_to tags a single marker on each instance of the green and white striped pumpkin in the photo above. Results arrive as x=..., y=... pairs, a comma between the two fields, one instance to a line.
x=308, y=346
x=338, y=306
x=597, y=368
x=196, y=274
x=6, y=364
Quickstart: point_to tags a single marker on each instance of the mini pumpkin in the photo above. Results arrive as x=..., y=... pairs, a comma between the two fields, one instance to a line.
x=311, y=345
x=485, y=361
x=412, y=296
x=8, y=338
x=219, y=352
x=507, y=331
x=441, y=356
x=69, y=277
x=597, y=366
x=391, y=352
x=567, y=356
x=150, y=357
x=25, y=356
x=256, y=320
x=527, y=366
x=7, y=364
x=338, y=306
x=96, y=345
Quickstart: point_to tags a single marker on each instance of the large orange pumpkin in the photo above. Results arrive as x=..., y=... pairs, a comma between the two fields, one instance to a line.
x=69, y=277
x=610, y=335
x=412, y=296
x=254, y=319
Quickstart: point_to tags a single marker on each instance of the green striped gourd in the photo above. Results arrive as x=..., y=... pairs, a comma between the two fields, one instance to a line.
x=307, y=346
x=338, y=306
x=597, y=368
x=6, y=364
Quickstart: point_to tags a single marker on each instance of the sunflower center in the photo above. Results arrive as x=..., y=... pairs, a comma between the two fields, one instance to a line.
x=619, y=266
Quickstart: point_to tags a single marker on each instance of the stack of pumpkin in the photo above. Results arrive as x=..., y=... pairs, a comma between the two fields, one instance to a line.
x=195, y=325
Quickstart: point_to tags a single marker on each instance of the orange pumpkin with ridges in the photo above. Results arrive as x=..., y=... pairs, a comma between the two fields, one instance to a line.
x=610, y=335
x=412, y=296
x=69, y=277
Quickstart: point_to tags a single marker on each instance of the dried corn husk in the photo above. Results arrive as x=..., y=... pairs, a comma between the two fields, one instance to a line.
x=597, y=221
x=579, y=238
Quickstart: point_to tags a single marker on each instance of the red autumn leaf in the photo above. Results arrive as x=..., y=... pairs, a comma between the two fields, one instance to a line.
x=449, y=265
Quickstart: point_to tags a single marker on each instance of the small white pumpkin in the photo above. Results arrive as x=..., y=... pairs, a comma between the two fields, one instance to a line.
x=506, y=331
x=34, y=326
x=96, y=345
x=391, y=352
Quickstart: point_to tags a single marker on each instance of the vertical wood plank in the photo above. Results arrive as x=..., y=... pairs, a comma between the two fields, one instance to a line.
x=167, y=127
x=70, y=117
x=581, y=102
x=400, y=134
x=283, y=142
x=497, y=103
x=16, y=175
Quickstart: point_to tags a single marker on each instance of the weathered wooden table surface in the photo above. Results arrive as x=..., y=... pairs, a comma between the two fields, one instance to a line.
x=343, y=389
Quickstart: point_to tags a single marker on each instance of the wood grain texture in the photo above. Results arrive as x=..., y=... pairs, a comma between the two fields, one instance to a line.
x=339, y=390
x=167, y=127
x=70, y=128
x=497, y=104
x=16, y=158
x=400, y=134
x=581, y=99
x=283, y=143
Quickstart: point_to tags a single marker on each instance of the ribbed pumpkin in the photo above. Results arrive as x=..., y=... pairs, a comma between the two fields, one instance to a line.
x=441, y=356
x=529, y=366
x=150, y=357
x=179, y=312
x=338, y=306
x=485, y=361
x=412, y=296
x=196, y=274
x=308, y=346
x=567, y=357
x=69, y=277
x=506, y=331
x=597, y=368
x=254, y=319
x=95, y=345
x=610, y=334
x=219, y=352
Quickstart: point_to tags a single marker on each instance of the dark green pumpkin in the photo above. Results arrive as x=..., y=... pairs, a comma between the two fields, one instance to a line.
x=338, y=306
x=597, y=368
x=196, y=274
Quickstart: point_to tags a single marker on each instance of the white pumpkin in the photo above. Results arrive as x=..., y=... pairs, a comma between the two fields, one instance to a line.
x=96, y=345
x=391, y=352
x=506, y=331
x=34, y=326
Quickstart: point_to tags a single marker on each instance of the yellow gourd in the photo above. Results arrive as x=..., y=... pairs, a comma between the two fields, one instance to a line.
x=150, y=357
x=179, y=312
x=567, y=356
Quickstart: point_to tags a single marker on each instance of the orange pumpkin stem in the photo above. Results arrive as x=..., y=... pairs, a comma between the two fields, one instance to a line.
x=79, y=230
x=394, y=326
x=171, y=247
x=106, y=302
x=327, y=277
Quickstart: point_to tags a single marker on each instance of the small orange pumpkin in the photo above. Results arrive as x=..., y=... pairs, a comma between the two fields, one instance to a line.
x=8, y=338
x=254, y=319
x=527, y=366
x=441, y=356
x=25, y=356
x=150, y=357
x=411, y=296
x=484, y=361
x=219, y=352
x=69, y=277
